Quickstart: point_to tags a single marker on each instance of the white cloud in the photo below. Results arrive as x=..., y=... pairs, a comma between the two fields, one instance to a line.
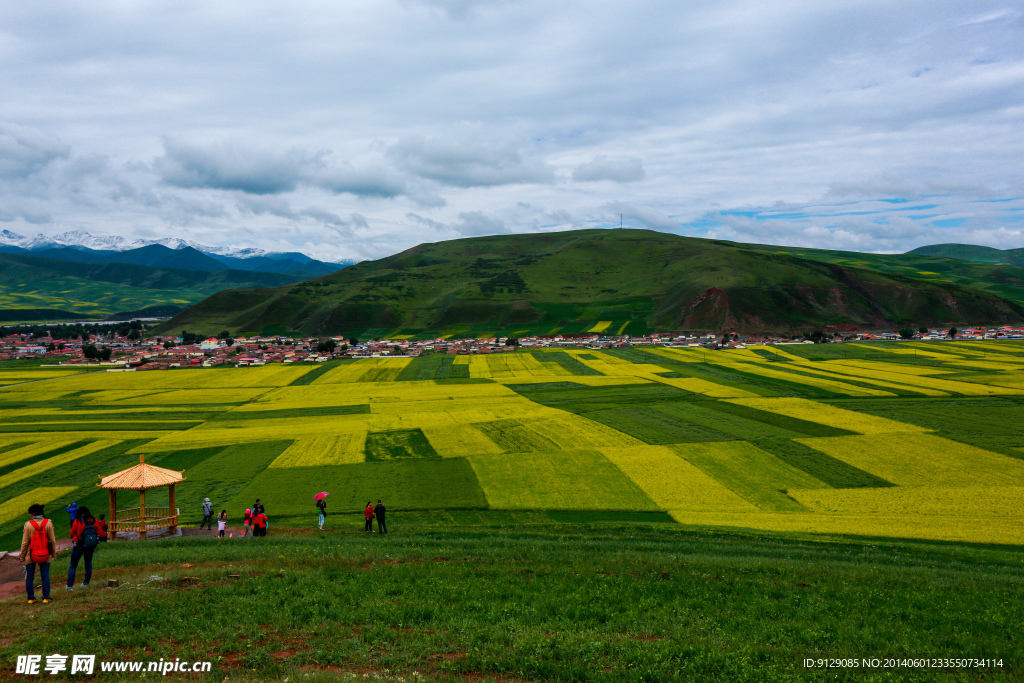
x=325, y=129
x=644, y=215
x=603, y=168
x=468, y=158
x=25, y=151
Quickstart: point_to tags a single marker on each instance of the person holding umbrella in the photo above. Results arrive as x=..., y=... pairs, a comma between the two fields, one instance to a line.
x=321, y=504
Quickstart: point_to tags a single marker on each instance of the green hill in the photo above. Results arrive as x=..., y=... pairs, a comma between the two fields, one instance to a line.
x=1000, y=279
x=973, y=252
x=613, y=281
x=29, y=282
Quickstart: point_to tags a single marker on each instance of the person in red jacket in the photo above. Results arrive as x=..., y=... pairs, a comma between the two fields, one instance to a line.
x=101, y=528
x=85, y=536
x=259, y=524
x=368, y=513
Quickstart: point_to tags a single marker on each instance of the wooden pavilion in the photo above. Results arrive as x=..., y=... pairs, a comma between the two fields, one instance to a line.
x=140, y=478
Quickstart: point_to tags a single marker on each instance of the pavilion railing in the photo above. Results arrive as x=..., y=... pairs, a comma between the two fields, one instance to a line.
x=156, y=518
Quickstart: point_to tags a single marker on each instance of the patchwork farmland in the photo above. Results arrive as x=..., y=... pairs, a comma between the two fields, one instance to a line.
x=898, y=440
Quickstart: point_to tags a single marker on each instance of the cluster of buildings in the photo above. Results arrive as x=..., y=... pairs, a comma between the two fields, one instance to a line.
x=158, y=353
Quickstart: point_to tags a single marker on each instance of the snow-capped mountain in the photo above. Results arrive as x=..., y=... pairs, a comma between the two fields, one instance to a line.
x=82, y=240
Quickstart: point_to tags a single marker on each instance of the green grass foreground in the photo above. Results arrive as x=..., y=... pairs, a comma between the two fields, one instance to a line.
x=599, y=602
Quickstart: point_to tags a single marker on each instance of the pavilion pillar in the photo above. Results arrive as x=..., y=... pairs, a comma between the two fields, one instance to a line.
x=142, y=514
x=113, y=514
x=173, y=526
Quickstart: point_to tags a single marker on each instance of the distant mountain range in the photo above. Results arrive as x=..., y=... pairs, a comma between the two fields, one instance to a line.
x=43, y=275
x=81, y=246
x=618, y=282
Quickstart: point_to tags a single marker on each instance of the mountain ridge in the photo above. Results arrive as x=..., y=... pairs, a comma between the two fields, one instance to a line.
x=77, y=239
x=570, y=282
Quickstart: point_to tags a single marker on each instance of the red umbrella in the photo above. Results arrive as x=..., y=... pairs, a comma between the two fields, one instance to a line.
x=321, y=495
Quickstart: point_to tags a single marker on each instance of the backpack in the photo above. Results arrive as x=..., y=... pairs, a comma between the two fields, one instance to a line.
x=89, y=538
x=207, y=509
x=39, y=548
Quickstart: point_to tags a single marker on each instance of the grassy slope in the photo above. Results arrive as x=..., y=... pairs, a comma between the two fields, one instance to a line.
x=973, y=252
x=102, y=288
x=632, y=279
x=973, y=267
x=598, y=603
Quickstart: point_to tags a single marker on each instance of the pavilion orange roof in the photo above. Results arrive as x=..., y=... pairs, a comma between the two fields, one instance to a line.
x=141, y=476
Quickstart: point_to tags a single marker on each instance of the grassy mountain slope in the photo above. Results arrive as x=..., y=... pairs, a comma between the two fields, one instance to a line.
x=999, y=279
x=33, y=282
x=973, y=252
x=615, y=281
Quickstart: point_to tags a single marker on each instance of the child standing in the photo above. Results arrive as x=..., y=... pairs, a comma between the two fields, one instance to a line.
x=222, y=524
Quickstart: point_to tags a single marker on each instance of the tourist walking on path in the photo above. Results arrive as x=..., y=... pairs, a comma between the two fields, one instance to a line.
x=85, y=538
x=368, y=513
x=379, y=511
x=38, y=548
x=222, y=524
x=321, y=505
x=72, y=511
x=247, y=524
x=259, y=524
x=207, y=515
x=102, y=528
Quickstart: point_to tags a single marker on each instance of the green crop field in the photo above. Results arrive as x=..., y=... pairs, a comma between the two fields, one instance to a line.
x=644, y=515
x=853, y=439
x=495, y=597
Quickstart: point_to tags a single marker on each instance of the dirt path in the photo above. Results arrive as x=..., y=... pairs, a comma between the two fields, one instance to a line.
x=12, y=581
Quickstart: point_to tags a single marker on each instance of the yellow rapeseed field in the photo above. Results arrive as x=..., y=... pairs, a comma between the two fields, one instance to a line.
x=333, y=449
x=942, y=528
x=544, y=454
x=458, y=440
x=557, y=480
x=29, y=450
x=750, y=472
x=672, y=482
x=50, y=463
x=825, y=414
x=17, y=507
x=922, y=460
x=835, y=386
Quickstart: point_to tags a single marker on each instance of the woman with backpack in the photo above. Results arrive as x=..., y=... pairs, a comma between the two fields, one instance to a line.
x=38, y=547
x=85, y=538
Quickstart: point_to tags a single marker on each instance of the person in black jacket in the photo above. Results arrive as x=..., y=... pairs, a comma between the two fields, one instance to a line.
x=378, y=512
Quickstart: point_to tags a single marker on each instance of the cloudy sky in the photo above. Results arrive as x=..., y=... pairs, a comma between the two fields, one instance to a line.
x=357, y=129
